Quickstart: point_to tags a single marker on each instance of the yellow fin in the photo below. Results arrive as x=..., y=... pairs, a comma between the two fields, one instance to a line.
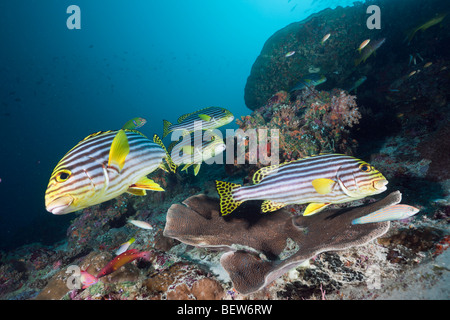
x=137, y=192
x=323, y=186
x=119, y=150
x=196, y=168
x=264, y=172
x=186, y=167
x=147, y=184
x=166, y=130
x=188, y=149
x=313, y=208
x=172, y=166
x=227, y=203
x=204, y=117
x=270, y=206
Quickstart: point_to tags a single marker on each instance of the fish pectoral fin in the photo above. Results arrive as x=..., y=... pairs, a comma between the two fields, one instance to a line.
x=196, y=168
x=323, y=185
x=137, y=192
x=204, y=117
x=270, y=206
x=147, y=184
x=119, y=150
x=188, y=149
x=313, y=208
x=186, y=167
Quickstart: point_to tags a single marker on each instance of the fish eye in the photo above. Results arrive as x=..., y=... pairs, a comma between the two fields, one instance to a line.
x=63, y=175
x=365, y=167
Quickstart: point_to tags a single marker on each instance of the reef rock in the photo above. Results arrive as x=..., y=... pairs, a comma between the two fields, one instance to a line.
x=274, y=70
x=261, y=248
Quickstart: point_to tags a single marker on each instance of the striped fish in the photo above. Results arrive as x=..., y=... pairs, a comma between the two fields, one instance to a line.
x=207, y=118
x=103, y=166
x=395, y=212
x=318, y=180
x=203, y=148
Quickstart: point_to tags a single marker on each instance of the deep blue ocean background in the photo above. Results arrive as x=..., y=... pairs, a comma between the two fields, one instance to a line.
x=152, y=59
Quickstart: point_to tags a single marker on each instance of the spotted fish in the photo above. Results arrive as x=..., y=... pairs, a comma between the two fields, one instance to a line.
x=103, y=166
x=395, y=212
x=208, y=118
x=318, y=180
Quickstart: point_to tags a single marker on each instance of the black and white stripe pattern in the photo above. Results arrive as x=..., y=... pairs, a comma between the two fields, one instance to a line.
x=292, y=183
x=219, y=117
x=91, y=178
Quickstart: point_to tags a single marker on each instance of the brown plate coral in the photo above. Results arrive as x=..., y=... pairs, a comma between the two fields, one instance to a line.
x=261, y=248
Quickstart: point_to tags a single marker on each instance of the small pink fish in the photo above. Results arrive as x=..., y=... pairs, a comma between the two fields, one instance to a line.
x=87, y=279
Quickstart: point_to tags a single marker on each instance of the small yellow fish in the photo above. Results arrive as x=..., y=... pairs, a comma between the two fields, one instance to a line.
x=427, y=64
x=141, y=224
x=325, y=38
x=412, y=73
x=124, y=246
x=363, y=45
x=437, y=19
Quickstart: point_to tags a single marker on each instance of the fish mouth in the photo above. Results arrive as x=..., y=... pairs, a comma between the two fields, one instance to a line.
x=380, y=184
x=60, y=205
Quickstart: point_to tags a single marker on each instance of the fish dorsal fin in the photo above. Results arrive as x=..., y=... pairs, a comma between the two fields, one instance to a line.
x=184, y=116
x=95, y=134
x=264, y=172
x=119, y=150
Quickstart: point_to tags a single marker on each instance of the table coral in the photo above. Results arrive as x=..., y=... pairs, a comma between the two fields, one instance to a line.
x=261, y=248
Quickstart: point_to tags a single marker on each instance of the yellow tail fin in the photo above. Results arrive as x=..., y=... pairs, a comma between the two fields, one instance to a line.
x=227, y=203
x=172, y=166
x=166, y=130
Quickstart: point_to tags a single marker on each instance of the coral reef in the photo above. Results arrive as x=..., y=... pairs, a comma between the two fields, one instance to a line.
x=309, y=122
x=273, y=71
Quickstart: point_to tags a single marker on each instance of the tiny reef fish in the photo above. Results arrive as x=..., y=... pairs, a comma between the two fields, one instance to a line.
x=122, y=260
x=394, y=212
x=289, y=54
x=359, y=82
x=103, y=166
x=194, y=154
x=369, y=49
x=134, y=123
x=141, y=224
x=319, y=180
x=325, y=38
x=426, y=25
x=124, y=246
x=87, y=279
x=363, y=45
x=312, y=79
x=208, y=118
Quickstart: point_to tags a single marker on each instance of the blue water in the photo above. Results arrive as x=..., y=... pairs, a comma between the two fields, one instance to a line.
x=152, y=59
